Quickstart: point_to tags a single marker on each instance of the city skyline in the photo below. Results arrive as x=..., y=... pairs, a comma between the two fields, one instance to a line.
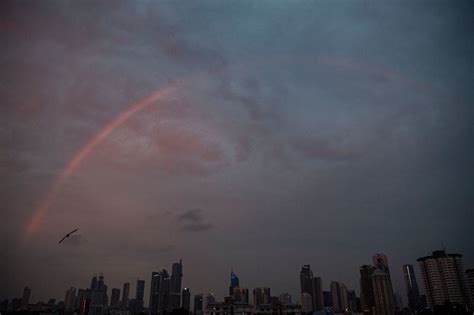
x=254, y=135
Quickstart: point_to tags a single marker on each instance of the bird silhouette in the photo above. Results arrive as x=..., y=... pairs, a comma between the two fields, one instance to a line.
x=67, y=235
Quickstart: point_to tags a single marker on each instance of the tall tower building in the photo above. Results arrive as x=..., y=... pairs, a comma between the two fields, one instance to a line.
x=411, y=285
x=164, y=296
x=175, y=285
x=140, y=291
x=69, y=299
x=366, y=291
x=115, y=297
x=241, y=296
x=26, y=296
x=306, y=282
x=125, y=295
x=234, y=282
x=186, y=299
x=261, y=296
x=198, y=304
x=154, y=292
x=380, y=261
x=339, y=296
x=318, y=299
x=383, y=293
x=444, y=279
x=306, y=303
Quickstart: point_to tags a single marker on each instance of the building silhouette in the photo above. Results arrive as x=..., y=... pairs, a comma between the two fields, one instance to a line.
x=261, y=296
x=306, y=282
x=154, y=293
x=115, y=297
x=234, y=282
x=444, y=280
x=175, y=286
x=186, y=299
x=339, y=296
x=383, y=293
x=125, y=295
x=366, y=291
x=69, y=299
x=306, y=303
x=198, y=304
x=411, y=285
x=318, y=300
x=241, y=296
x=26, y=296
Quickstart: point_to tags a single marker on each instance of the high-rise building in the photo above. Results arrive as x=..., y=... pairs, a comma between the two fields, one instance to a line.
x=198, y=304
x=69, y=299
x=26, y=296
x=411, y=286
x=175, y=285
x=261, y=296
x=306, y=282
x=327, y=297
x=115, y=297
x=306, y=303
x=186, y=299
x=241, y=296
x=339, y=296
x=81, y=295
x=470, y=282
x=125, y=295
x=164, y=296
x=140, y=291
x=154, y=292
x=208, y=300
x=383, y=293
x=234, y=282
x=444, y=279
x=366, y=291
x=352, y=301
x=380, y=261
x=98, y=295
x=285, y=299
x=318, y=299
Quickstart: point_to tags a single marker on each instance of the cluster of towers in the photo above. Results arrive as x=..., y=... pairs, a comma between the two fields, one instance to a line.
x=444, y=278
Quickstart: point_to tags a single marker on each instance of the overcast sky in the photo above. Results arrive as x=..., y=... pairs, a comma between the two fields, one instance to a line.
x=298, y=132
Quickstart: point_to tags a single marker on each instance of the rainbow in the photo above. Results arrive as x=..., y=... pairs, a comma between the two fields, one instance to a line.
x=86, y=149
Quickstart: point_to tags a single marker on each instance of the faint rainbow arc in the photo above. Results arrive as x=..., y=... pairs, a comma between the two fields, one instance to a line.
x=86, y=149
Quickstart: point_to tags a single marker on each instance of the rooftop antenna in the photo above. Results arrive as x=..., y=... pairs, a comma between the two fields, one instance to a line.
x=444, y=247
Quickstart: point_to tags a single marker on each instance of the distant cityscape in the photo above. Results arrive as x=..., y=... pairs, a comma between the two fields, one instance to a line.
x=448, y=287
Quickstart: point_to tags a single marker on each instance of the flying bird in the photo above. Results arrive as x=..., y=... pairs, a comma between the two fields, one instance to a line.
x=67, y=235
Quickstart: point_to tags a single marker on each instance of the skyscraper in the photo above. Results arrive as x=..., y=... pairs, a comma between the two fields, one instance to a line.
x=163, y=302
x=306, y=282
x=69, y=299
x=175, y=285
x=306, y=303
x=115, y=297
x=411, y=285
x=26, y=296
x=234, y=282
x=318, y=300
x=383, y=293
x=380, y=261
x=140, y=291
x=125, y=295
x=366, y=291
x=154, y=292
x=241, y=296
x=339, y=296
x=198, y=304
x=261, y=296
x=444, y=279
x=186, y=299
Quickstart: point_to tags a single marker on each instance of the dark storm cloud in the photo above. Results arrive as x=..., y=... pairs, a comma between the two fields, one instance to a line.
x=194, y=221
x=308, y=132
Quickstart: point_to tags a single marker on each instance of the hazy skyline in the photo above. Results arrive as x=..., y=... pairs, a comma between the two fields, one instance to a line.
x=302, y=132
